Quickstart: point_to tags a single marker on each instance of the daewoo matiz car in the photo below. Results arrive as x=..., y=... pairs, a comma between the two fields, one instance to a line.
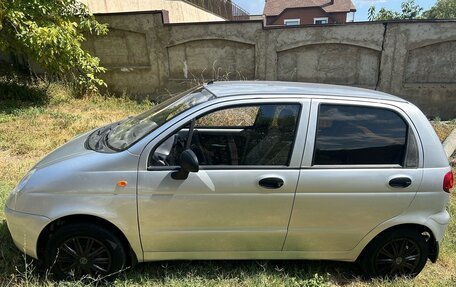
x=242, y=170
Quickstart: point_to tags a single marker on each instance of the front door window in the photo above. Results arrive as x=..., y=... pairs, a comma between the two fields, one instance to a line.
x=237, y=136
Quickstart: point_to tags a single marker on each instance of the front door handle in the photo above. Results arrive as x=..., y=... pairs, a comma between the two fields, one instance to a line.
x=401, y=182
x=271, y=182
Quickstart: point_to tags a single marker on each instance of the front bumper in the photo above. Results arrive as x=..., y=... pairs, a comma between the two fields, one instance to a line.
x=25, y=229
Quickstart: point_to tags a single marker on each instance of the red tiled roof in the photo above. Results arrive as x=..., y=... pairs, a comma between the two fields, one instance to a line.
x=275, y=7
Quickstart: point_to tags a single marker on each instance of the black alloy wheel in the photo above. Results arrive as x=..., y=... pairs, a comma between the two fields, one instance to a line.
x=397, y=252
x=83, y=255
x=84, y=251
x=397, y=258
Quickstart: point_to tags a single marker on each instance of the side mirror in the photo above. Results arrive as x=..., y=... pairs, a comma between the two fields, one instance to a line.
x=188, y=162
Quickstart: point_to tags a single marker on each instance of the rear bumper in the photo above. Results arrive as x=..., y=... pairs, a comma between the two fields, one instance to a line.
x=438, y=223
x=25, y=229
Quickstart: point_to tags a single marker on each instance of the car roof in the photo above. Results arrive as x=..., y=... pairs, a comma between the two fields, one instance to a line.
x=237, y=88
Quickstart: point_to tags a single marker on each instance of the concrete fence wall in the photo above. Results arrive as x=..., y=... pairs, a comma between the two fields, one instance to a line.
x=414, y=60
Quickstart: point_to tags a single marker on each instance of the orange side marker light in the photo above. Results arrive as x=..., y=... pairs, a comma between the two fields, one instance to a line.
x=122, y=183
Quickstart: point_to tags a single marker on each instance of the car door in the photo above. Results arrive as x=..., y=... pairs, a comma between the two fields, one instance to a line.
x=241, y=198
x=361, y=167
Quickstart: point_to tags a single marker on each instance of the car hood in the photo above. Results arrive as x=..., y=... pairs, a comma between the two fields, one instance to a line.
x=73, y=148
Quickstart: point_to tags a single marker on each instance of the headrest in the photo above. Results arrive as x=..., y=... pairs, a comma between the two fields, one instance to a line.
x=287, y=120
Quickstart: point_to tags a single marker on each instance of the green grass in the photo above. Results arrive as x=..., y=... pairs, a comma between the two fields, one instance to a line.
x=35, y=118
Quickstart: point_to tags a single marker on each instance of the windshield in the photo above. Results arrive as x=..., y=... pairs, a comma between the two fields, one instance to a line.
x=133, y=129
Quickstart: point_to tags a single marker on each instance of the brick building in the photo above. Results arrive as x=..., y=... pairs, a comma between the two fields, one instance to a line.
x=305, y=12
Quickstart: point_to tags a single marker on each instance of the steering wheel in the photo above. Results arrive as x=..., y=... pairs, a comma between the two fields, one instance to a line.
x=177, y=148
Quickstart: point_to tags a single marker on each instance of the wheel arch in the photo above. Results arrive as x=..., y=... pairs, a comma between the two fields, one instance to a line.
x=88, y=219
x=422, y=229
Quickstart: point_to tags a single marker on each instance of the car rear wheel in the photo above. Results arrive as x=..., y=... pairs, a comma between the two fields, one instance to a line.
x=401, y=252
x=84, y=251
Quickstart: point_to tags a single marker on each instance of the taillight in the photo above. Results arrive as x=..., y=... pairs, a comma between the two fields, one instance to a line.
x=448, y=182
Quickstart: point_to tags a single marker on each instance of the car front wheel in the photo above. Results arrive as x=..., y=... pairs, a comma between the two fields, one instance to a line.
x=82, y=250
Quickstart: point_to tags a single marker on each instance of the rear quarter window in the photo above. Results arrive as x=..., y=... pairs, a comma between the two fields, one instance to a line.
x=360, y=135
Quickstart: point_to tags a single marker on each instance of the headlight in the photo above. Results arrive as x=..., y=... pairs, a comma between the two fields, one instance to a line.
x=23, y=182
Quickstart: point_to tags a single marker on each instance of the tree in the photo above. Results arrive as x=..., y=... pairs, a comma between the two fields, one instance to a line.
x=371, y=13
x=385, y=14
x=443, y=9
x=51, y=33
x=409, y=10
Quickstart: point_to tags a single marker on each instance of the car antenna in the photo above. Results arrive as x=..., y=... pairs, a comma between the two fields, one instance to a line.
x=210, y=82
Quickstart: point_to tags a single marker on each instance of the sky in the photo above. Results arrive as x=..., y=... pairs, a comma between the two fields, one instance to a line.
x=255, y=7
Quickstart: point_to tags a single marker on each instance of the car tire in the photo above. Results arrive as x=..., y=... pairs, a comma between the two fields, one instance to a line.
x=78, y=251
x=399, y=252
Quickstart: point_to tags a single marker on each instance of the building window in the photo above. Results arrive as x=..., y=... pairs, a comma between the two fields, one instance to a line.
x=292, y=22
x=319, y=21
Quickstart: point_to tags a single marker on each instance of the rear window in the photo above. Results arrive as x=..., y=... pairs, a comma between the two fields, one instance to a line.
x=356, y=135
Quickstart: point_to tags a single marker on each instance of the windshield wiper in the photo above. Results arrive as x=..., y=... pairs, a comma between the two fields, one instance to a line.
x=99, y=134
x=98, y=139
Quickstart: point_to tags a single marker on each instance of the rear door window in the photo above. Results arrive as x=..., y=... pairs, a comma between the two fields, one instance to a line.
x=359, y=135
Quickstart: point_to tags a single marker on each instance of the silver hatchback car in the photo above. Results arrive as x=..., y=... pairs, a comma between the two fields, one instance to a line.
x=242, y=170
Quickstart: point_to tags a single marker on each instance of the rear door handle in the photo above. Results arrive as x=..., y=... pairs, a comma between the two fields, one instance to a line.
x=401, y=182
x=271, y=182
